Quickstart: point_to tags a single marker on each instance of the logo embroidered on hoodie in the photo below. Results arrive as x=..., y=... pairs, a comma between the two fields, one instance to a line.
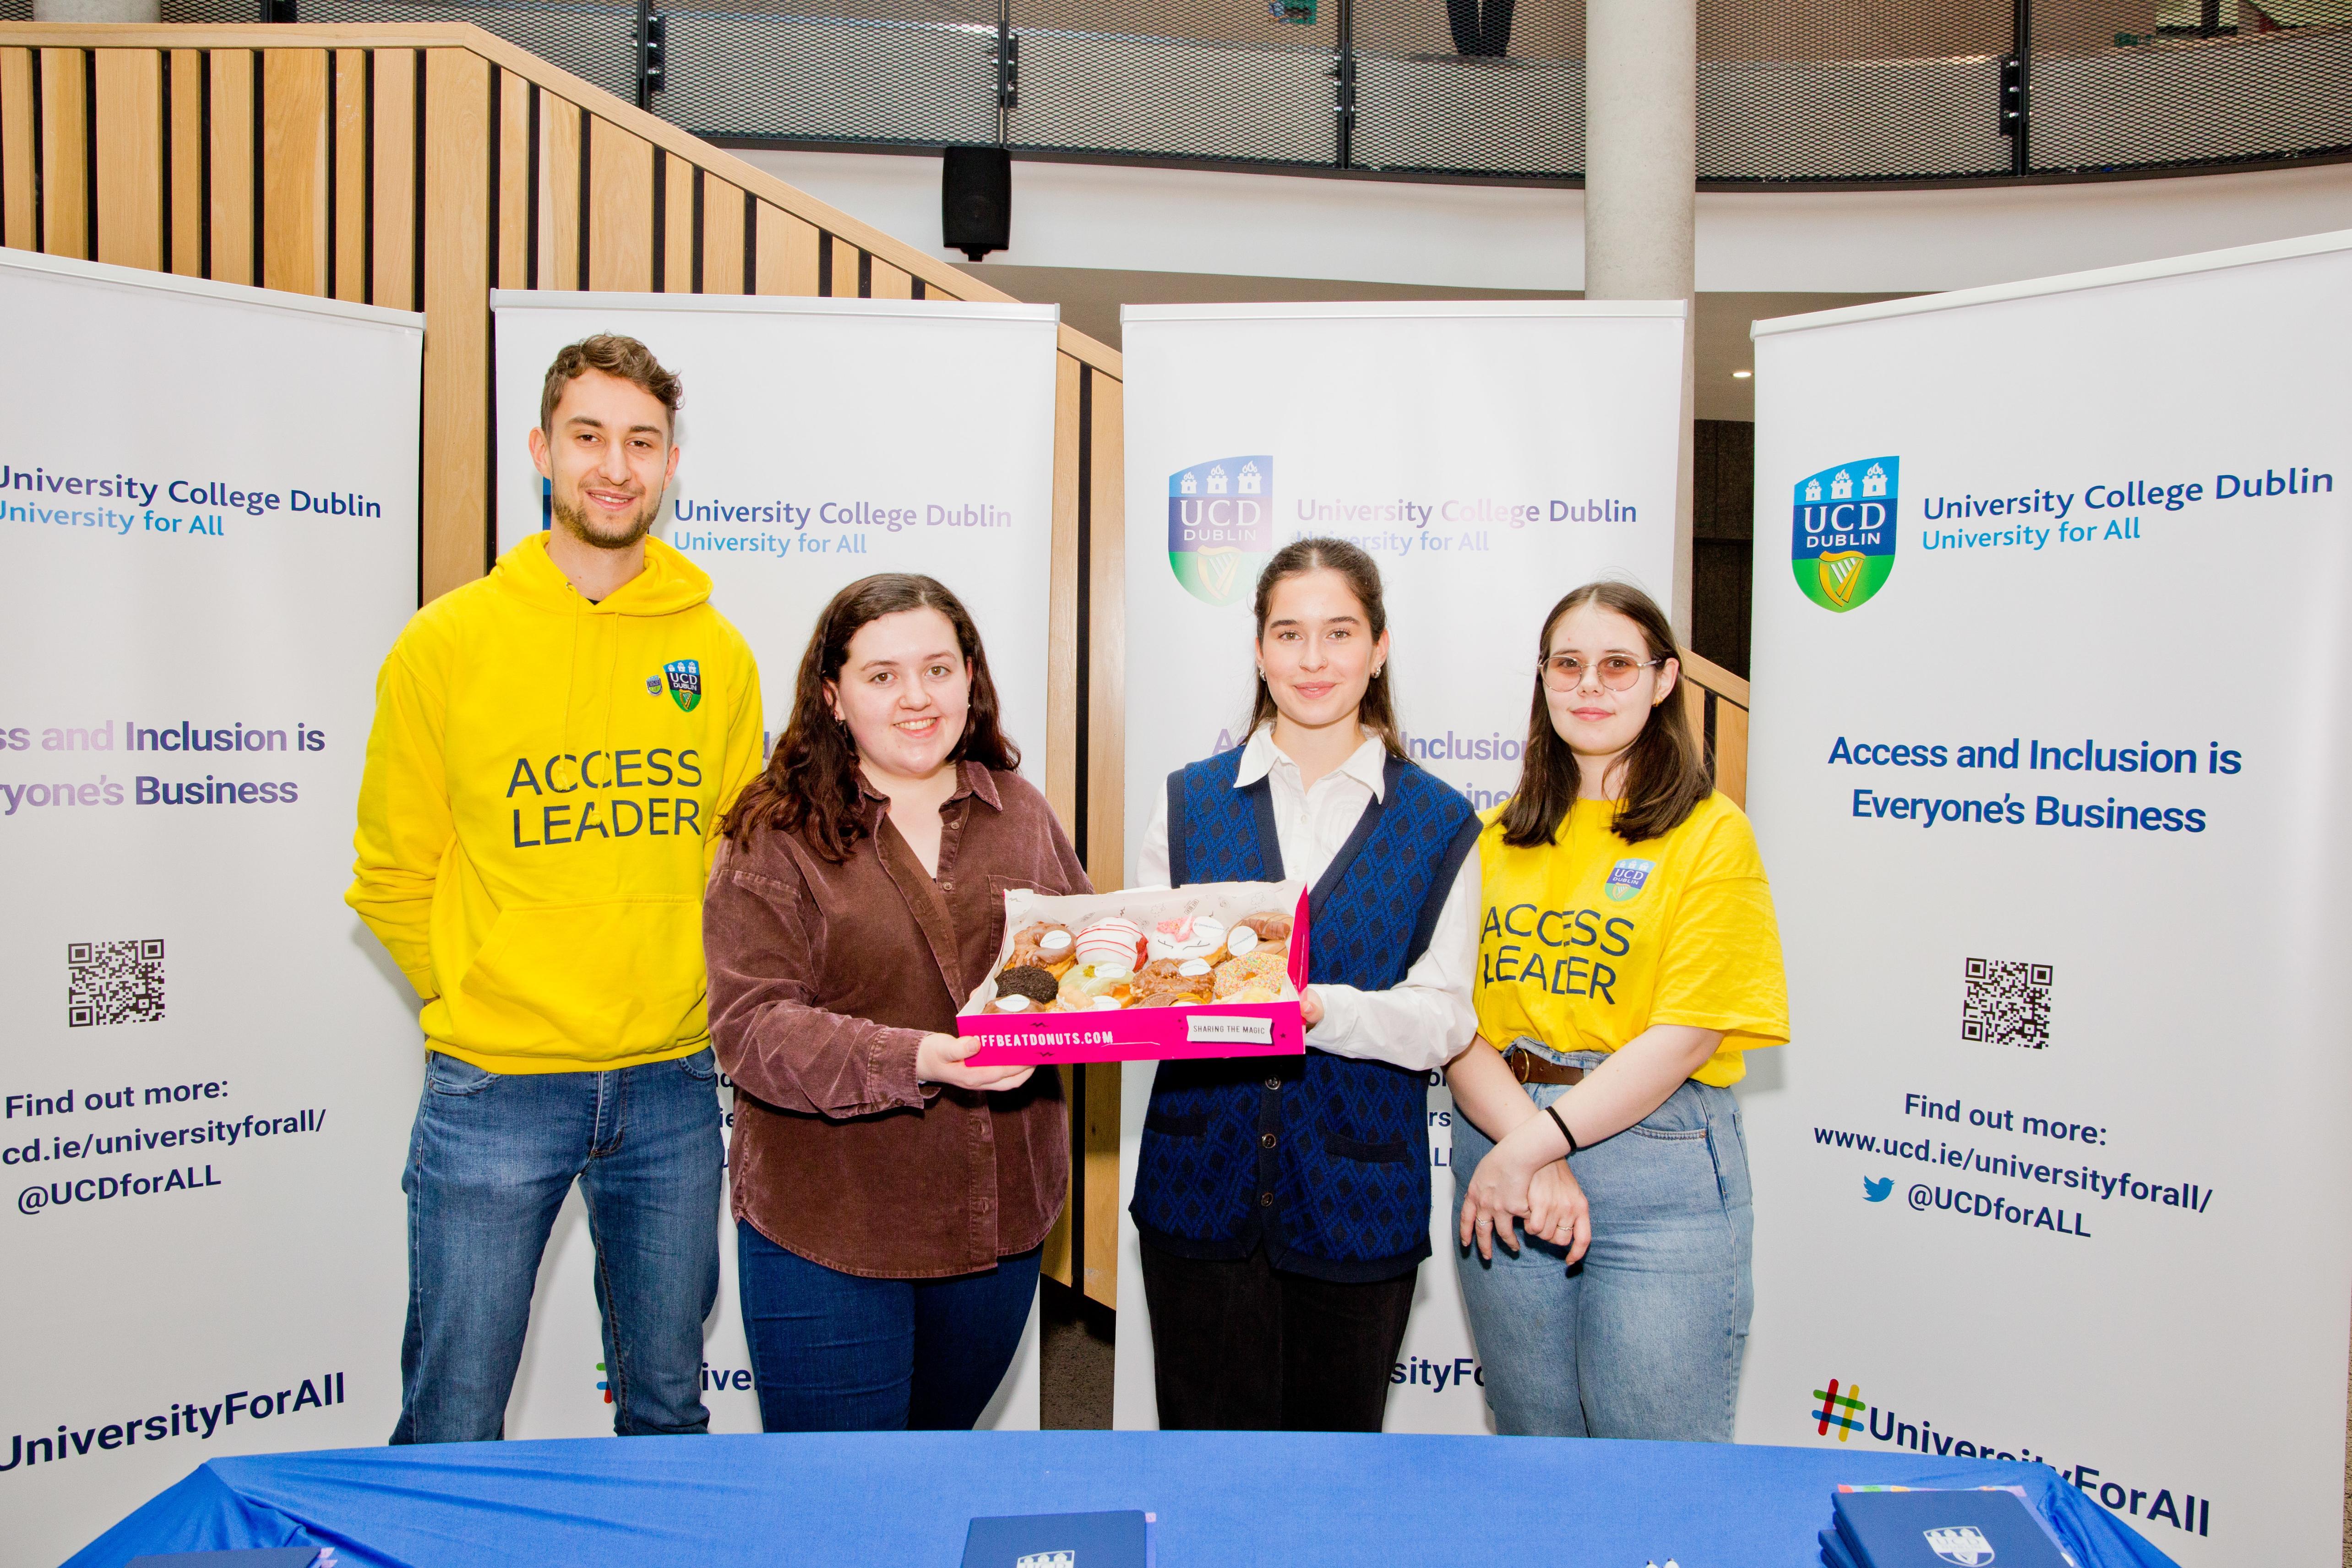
x=653, y=686
x=685, y=676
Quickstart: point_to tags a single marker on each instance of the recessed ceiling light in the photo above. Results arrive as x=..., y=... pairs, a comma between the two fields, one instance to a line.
x=1741, y=374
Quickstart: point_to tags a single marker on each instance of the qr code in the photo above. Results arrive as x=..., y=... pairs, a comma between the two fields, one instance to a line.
x=2008, y=1002
x=114, y=982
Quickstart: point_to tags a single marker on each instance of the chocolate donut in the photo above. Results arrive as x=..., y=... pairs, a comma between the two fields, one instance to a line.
x=1028, y=980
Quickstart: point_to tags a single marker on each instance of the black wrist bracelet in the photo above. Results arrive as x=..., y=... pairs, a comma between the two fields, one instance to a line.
x=1556, y=1122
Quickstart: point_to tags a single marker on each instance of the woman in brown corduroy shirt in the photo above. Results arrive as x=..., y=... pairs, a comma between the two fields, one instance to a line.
x=890, y=1201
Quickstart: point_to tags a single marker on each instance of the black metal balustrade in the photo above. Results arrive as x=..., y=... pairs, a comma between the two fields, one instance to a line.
x=1830, y=93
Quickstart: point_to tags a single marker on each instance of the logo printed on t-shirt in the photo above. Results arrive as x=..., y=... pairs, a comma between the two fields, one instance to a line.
x=685, y=676
x=1627, y=879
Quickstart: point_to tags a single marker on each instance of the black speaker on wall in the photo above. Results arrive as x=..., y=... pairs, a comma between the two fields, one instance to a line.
x=976, y=200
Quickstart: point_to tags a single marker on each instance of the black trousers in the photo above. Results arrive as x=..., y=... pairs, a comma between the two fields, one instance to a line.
x=1239, y=1345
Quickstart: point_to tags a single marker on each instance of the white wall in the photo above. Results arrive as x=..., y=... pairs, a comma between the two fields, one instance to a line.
x=1496, y=236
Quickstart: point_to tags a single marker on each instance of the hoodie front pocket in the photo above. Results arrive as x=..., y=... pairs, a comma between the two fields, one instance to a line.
x=585, y=982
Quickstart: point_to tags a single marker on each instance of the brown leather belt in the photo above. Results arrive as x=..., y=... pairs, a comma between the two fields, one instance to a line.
x=1530, y=1067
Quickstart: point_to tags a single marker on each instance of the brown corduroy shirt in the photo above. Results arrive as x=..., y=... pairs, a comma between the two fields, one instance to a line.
x=824, y=979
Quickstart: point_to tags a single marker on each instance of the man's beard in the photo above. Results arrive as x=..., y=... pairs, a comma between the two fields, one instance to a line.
x=575, y=521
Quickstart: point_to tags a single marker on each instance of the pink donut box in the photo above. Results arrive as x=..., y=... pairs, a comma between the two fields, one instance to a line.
x=1146, y=1034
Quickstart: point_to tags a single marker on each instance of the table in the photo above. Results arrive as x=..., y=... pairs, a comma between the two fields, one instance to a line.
x=1298, y=1499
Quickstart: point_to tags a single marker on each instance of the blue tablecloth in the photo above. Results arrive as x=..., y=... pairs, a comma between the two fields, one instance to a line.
x=903, y=1498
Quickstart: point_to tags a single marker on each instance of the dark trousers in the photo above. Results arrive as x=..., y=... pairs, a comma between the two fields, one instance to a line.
x=1239, y=1345
x=841, y=1352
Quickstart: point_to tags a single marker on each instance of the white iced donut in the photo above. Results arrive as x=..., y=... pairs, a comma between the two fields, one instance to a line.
x=1189, y=936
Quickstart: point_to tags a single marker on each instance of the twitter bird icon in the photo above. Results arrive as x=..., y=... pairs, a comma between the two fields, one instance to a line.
x=1876, y=1191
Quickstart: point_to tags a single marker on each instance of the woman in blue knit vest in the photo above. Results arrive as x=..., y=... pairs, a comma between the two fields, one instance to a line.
x=1284, y=1202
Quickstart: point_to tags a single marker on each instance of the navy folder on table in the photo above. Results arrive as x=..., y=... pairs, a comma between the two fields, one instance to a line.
x=1942, y=1530
x=1120, y=1539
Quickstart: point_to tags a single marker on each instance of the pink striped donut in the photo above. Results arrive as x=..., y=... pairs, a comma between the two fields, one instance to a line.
x=1112, y=942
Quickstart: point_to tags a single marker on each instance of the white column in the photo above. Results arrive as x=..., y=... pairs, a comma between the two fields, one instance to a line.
x=1641, y=175
x=96, y=11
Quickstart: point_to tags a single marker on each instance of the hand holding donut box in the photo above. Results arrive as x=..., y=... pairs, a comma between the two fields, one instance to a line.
x=1153, y=975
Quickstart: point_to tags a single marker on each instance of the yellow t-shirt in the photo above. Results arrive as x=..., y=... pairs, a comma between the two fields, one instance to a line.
x=1586, y=942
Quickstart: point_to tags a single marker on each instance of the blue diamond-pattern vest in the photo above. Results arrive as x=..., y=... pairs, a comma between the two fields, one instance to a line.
x=1324, y=1159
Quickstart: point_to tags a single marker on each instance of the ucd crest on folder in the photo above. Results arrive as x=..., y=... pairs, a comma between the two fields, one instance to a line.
x=1844, y=548
x=1220, y=525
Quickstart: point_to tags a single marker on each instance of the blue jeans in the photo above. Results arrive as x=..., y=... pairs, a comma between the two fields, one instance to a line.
x=489, y=1164
x=840, y=1353
x=1643, y=1337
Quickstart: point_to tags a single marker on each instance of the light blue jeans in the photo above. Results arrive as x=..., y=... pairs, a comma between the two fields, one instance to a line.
x=489, y=1164
x=1643, y=1337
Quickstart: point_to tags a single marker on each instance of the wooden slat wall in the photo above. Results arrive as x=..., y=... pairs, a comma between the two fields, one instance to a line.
x=398, y=191
x=129, y=120
x=515, y=182
x=418, y=167
x=230, y=249
x=64, y=92
x=187, y=188
x=349, y=202
x=294, y=171
x=17, y=180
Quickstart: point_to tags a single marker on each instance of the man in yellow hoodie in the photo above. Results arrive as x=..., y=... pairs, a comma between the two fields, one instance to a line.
x=554, y=746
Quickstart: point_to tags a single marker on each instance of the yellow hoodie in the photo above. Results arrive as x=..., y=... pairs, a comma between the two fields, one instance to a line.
x=542, y=804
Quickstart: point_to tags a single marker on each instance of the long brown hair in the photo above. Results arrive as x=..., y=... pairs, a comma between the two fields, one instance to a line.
x=1666, y=770
x=809, y=786
x=1297, y=558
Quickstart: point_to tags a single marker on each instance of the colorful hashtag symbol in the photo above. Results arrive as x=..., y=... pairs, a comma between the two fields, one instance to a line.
x=1837, y=1409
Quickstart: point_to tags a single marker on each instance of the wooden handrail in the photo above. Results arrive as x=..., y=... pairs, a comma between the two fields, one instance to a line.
x=1715, y=678
x=1714, y=701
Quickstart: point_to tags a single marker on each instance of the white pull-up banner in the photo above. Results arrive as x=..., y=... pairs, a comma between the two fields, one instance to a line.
x=823, y=440
x=1490, y=457
x=2051, y=734
x=208, y=502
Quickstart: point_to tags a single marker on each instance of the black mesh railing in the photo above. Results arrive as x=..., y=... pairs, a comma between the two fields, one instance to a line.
x=1818, y=92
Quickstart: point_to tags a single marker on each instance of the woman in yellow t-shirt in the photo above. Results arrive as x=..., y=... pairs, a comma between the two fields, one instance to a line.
x=1627, y=956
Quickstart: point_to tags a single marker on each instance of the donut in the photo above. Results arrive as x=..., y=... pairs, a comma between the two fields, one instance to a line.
x=1028, y=980
x=1111, y=942
x=1259, y=992
x=1188, y=936
x=1156, y=971
x=1255, y=969
x=1166, y=977
x=1083, y=984
x=1271, y=925
x=1045, y=946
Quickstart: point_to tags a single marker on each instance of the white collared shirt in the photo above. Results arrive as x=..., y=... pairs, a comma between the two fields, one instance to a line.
x=1423, y=1021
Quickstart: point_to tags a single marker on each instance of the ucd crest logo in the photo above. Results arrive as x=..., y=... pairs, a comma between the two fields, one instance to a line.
x=1964, y=1544
x=1220, y=525
x=685, y=677
x=1843, y=547
x=1627, y=879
